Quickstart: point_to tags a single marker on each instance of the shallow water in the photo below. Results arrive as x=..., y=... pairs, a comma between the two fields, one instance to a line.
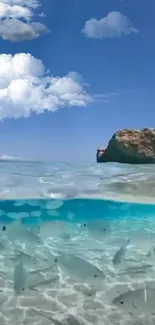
x=57, y=180
x=77, y=244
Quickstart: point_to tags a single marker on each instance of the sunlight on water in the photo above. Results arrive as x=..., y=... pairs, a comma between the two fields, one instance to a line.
x=77, y=260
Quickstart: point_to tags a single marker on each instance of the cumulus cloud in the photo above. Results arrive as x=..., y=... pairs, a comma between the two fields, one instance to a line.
x=113, y=25
x=16, y=20
x=26, y=87
x=28, y=3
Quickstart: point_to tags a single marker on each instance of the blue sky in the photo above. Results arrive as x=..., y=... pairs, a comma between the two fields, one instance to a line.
x=113, y=86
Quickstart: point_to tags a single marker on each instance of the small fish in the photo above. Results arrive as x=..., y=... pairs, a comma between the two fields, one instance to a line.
x=138, y=301
x=79, y=266
x=120, y=254
x=20, y=276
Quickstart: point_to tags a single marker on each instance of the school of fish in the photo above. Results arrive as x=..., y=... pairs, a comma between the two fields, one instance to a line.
x=30, y=258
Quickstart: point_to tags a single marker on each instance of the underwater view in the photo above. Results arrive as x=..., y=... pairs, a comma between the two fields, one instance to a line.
x=77, y=244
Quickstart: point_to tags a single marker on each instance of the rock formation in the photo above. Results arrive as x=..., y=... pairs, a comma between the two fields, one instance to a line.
x=129, y=146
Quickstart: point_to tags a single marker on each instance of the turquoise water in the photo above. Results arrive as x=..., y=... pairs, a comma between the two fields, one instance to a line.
x=32, y=211
x=77, y=244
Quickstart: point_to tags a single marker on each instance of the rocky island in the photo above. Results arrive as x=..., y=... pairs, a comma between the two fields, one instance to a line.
x=131, y=146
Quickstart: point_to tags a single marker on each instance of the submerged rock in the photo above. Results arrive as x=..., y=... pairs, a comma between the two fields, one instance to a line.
x=130, y=146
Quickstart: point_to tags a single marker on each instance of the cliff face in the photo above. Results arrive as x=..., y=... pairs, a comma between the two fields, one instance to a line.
x=100, y=154
x=129, y=146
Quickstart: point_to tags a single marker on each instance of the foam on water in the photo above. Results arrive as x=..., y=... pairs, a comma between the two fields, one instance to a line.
x=77, y=244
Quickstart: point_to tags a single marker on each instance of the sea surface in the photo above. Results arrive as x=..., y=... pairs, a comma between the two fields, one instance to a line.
x=77, y=244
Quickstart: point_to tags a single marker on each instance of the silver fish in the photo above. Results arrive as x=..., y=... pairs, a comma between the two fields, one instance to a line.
x=43, y=282
x=17, y=231
x=98, y=227
x=120, y=254
x=55, y=228
x=79, y=266
x=20, y=276
x=27, y=258
x=138, y=301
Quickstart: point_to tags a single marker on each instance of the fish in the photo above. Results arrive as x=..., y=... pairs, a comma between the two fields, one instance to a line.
x=43, y=282
x=17, y=231
x=45, y=254
x=27, y=258
x=34, y=272
x=120, y=254
x=79, y=266
x=140, y=301
x=56, y=228
x=20, y=276
x=31, y=238
x=98, y=227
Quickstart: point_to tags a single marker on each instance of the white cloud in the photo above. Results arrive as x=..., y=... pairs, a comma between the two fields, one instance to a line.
x=6, y=157
x=16, y=22
x=14, y=11
x=26, y=87
x=28, y=3
x=77, y=77
x=113, y=25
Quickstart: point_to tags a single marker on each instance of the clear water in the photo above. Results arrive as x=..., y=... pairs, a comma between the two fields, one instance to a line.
x=77, y=244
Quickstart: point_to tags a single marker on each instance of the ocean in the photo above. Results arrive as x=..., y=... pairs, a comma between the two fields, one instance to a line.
x=77, y=244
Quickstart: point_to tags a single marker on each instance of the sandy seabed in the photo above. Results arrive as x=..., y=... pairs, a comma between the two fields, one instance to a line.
x=61, y=289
